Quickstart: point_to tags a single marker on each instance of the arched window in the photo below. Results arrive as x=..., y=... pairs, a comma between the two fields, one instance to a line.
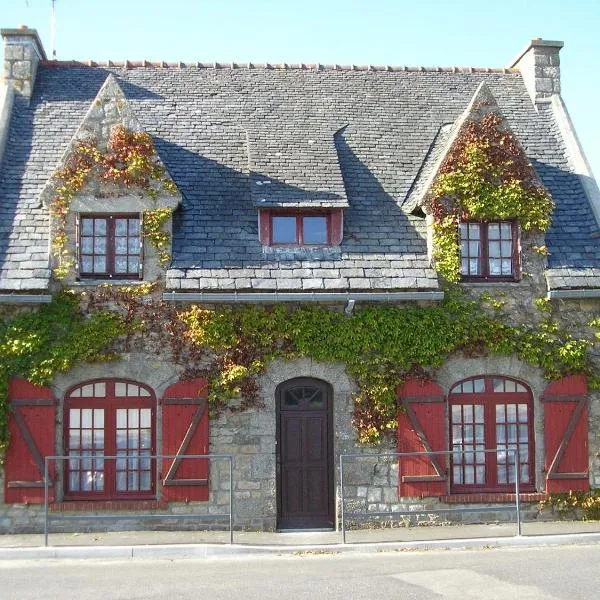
x=110, y=418
x=487, y=413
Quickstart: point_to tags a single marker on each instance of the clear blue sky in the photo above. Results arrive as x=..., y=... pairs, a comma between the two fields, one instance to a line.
x=399, y=32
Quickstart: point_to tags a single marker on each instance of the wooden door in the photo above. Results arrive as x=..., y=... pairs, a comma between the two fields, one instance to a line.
x=305, y=455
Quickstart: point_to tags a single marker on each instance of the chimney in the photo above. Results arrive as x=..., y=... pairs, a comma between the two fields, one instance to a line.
x=23, y=51
x=539, y=64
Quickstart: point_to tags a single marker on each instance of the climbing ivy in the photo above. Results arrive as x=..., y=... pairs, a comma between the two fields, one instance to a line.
x=485, y=177
x=380, y=346
x=52, y=339
x=153, y=229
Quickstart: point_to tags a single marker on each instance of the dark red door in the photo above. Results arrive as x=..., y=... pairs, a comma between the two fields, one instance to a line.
x=305, y=455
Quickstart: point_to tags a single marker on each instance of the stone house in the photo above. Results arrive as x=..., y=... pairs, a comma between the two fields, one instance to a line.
x=301, y=185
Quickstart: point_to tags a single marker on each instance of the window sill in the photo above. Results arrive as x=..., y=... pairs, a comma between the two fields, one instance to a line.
x=105, y=505
x=498, y=498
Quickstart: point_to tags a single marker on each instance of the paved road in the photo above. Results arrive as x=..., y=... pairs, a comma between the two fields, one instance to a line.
x=569, y=572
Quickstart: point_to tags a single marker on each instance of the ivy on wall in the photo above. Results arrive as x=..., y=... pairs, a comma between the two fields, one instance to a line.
x=130, y=161
x=379, y=345
x=485, y=177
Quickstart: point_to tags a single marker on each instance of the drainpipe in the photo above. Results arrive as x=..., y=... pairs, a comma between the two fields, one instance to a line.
x=25, y=298
x=573, y=294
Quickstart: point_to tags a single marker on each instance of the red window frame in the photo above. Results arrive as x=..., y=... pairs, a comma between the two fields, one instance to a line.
x=110, y=253
x=110, y=402
x=495, y=465
x=299, y=216
x=484, y=254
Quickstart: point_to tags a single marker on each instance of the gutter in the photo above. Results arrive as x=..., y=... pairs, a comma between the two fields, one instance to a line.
x=234, y=297
x=25, y=298
x=573, y=294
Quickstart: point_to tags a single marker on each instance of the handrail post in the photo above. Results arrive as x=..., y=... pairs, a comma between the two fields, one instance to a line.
x=46, y=494
x=517, y=499
x=342, y=514
x=230, y=461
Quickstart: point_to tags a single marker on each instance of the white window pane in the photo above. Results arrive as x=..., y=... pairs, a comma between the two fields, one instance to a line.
x=122, y=418
x=122, y=481
x=464, y=248
x=467, y=387
x=500, y=413
x=87, y=264
x=493, y=231
x=457, y=474
x=463, y=230
x=87, y=391
x=121, y=227
x=509, y=386
x=456, y=413
x=73, y=440
x=479, y=434
x=86, y=439
x=524, y=474
x=498, y=385
x=512, y=434
x=473, y=266
x=98, y=418
x=74, y=482
x=133, y=264
x=144, y=392
x=469, y=475
x=145, y=415
x=511, y=412
x=132, y=390
x=500, y=434
x=495, y=266
x=284, y=230
x=506, y=229
x=478, y=386
x=468, y=413
x=87, y=245
x=134, y=226
x=122, y=439
x=474, y=230
x=134, y=417
x=456, y=433
x=100, y=226
x=506, y=266
x=506, y=249
x=522, y=413
x=87, y=227
x=464, y=267
x=145, y=481
x=494, y=249
x=134, y=245
x=480, y=472
x=520, y=388
x=473, y=249
x=121, y=245
x=478, y=413
x=100, y=245
x=120, y=264
x=134, y=482
x=120, y=389
x=145, y=439
x=98, y=439
x=74, y=418
x=99, y=264
x=86, y=418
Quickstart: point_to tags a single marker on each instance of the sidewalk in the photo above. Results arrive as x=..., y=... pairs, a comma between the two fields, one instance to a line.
x=203, y=544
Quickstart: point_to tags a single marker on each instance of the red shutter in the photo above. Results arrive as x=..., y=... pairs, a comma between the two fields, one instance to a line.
x=422, y=427
x=32, y=426
x=337, y=227
x=566, y=435
x=185, y=431
x=264, y=227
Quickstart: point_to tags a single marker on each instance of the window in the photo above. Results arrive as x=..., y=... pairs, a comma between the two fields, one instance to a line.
x=489, y=250
x=109, y=418
x=491, y=413
x=300, y=229
x=109, y=246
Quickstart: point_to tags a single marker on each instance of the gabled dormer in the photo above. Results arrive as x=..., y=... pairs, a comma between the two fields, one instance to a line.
x=479, y=191
x=110, y=198
x=297, y=187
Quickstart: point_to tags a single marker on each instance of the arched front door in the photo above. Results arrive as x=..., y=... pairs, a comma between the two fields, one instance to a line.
x=304, y=455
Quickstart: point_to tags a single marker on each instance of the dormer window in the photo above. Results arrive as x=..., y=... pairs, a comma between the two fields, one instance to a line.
x=110, y=246
x=489, y=251
x=301, y=228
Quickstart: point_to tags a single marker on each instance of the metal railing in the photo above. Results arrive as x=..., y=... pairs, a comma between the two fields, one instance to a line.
x=512, y=506
x=48, y=517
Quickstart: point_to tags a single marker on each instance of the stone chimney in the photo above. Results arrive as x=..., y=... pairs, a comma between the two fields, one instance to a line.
x=539, y=64
x=23, y=51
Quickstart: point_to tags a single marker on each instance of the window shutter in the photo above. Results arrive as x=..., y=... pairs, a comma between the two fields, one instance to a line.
x=185, y=432
x=566, y=435
x=337, y=227
x=422, y=427
x=32, y=426
x=264, y=227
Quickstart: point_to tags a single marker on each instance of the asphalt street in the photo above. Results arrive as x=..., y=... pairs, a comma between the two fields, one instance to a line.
x=550, y=573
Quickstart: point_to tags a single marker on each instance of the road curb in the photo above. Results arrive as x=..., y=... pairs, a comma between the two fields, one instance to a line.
x=181, y=551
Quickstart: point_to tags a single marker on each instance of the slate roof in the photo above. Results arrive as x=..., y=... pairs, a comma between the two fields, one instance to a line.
x=352, y=136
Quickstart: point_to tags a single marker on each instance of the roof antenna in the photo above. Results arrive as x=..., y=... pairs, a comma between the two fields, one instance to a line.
x=53, y=30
